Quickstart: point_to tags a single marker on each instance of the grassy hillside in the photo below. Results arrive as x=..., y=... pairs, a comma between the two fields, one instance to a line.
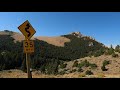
x=46, y=57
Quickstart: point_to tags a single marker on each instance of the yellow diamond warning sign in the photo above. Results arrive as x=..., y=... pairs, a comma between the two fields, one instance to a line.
x=28, y=46
x=27, y=29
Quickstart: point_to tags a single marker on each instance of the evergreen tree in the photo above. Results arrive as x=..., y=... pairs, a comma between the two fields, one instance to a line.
x=117, y=48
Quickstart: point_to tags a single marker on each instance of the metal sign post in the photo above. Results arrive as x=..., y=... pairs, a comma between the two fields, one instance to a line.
x=28, y=31
x=28, y=65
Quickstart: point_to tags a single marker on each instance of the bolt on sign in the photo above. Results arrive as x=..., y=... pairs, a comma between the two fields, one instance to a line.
x=28, y=46
x=27, y=30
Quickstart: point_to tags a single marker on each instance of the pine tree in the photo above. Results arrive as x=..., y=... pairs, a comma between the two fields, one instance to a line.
x=110, y=50
x=117, y=48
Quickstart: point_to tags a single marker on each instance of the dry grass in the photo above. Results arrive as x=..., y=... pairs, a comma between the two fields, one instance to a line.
x=20, y=74
x=57, y=41
x=82, y=75
x=101, y=75
x=113, y=67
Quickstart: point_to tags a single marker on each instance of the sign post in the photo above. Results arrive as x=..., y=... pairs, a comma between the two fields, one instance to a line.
x=28, y=65
x=28, y=31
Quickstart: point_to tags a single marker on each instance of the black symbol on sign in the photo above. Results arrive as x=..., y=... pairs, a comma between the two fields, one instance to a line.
x=31, y=45
x=26, y=29
x=26, y=44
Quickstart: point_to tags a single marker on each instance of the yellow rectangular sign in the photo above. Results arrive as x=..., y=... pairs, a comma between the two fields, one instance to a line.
x=27, y=30
x=28, y=46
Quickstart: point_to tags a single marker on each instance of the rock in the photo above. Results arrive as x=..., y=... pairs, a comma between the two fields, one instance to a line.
x=90, y=44
x=77, y=34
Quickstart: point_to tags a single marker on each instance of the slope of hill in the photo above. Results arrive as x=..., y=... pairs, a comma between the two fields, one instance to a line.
x=47, y=57
x=113, y=69
x=57, y=41
x=94, y=64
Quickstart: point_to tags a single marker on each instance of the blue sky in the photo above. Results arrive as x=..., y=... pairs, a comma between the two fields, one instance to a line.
x=103, y=26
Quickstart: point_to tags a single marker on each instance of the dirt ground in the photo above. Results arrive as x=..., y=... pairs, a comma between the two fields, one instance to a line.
x=112, y=72
x=36, y=74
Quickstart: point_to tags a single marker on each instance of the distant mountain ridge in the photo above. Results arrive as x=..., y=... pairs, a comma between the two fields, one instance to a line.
x=57, y=41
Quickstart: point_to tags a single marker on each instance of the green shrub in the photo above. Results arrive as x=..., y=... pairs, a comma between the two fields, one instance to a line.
x=105, y=62
x=88, y=72
x=9, y=71
x=80, y=70
x=114, y=55
x=93, y=66
x=117, y=48
x=84, y=63
x=75, y=64
x=100, y=52
x=103, y=68
x=63, y=65
x=97, y=54
x=74, y=70
x=110, y=51
x=80, y=65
